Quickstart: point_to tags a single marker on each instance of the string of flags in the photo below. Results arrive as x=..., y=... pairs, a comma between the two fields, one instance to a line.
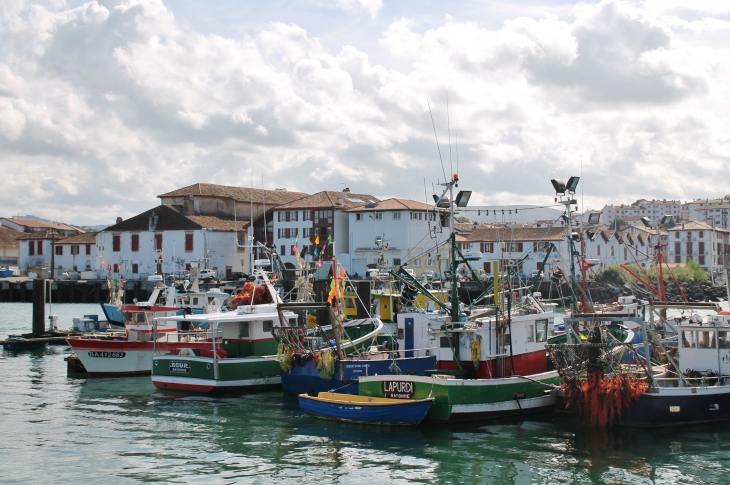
x=317, y=252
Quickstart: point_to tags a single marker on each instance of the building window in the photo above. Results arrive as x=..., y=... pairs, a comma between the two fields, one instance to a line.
x=307, y=232
x=487, y=247
x=88, y=249
x=396, y=216
x=135, y=242
x=294, y=215
x=39, y=247
x=74, y=249
x=116, y=243
x=306, y=215
x=487, y=267
x=158, y=242
x=676, y=235
x=396, y=261
x=358, y=217
x=323, y=217
x=378, y=216
x=612, y=251
x=135, y=268
x=598, y=250
x=414, y=216
x=513, y=247
x=188, y=242
x=117, y=267
x=283, y=250
x=702, y=233
x=31, y=248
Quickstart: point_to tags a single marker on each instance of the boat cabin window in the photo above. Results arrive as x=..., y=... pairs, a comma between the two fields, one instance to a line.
x=293, y=322
x=350, y=303
x=195, y=300
x=141, y=318
x=243, y=329
x=706, y=339
x=401, y=334
x=723, y=339
x=688, y=339
x=530, y=335
x=268, y=325
x=444, y=343
x=701, y=339
x=542, y=330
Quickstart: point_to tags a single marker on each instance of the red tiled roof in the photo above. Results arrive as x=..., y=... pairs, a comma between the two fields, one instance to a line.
x=171, y=218
x=40, y=235
x=518, y=234
x=9, y=237
x=85, y=238
x=394, y=204
x=33, y=223
x=241, y=194
x=330, y=199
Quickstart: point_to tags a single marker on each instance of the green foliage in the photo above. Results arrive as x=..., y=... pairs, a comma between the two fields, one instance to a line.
x=617, y=223
x=616, y=275
x=612, y=274
x=462, y=219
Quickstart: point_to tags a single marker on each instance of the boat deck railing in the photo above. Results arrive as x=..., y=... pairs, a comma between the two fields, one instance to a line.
x=704, y=381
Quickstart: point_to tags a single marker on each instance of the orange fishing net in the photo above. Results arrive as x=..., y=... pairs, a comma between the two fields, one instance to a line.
x=251, y=295
x=599, y=400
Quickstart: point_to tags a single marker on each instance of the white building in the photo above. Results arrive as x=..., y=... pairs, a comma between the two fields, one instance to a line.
x=700, y=242
x=523, y=248
x=653, y=209
x=9, y=247
x=313, y=225
x=398, y=232
x=76, y=253
x=165, y=239
x=34, y=251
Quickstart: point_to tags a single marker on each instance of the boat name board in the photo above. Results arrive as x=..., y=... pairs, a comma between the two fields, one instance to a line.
x=180, y=367
x=398, y=389
x=107, y=355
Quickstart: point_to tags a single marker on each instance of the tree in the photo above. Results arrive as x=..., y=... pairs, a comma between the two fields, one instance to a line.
x=462, y=219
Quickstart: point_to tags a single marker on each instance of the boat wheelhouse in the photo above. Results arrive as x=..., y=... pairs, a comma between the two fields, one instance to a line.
x=129, y=352
x=240, y=356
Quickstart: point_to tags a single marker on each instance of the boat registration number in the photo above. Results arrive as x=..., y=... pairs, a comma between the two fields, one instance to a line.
x=107, y=355
x=180, y=367
x=398, y=389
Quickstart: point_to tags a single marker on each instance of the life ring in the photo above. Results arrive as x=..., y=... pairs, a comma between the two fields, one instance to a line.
x=476, y=351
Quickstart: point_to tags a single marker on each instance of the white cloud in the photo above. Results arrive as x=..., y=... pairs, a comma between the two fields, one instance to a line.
x=370, y=6
x=119, y=102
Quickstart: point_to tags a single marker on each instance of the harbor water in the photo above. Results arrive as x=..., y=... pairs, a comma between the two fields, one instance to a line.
x=58, y=429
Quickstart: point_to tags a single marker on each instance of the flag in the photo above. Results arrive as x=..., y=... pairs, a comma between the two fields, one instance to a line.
x=305, y=251
x=295, y=250
x=329, y=239
x=316, y=252
x=333, y=290
x=319, y=262
x=316, y=240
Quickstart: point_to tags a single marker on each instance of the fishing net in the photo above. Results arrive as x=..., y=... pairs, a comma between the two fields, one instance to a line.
x=251, y=295
x=325, y=362
x=599, y=379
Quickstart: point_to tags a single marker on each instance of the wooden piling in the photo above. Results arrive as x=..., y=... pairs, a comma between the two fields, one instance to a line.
x=39, y=306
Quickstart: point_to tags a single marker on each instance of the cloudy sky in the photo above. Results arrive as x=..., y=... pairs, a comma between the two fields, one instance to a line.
x=106, y=104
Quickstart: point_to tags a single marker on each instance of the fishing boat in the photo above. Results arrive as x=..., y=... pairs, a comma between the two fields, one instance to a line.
x=334, y=354
x=367, y=410
x=18, y=342
x=129, y=352
x=239, y=356
x=490, y=361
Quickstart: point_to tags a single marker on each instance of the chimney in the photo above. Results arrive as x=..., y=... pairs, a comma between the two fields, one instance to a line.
x=153, y=221
x=346, y=189
x=119, y=220
x=188, y=206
